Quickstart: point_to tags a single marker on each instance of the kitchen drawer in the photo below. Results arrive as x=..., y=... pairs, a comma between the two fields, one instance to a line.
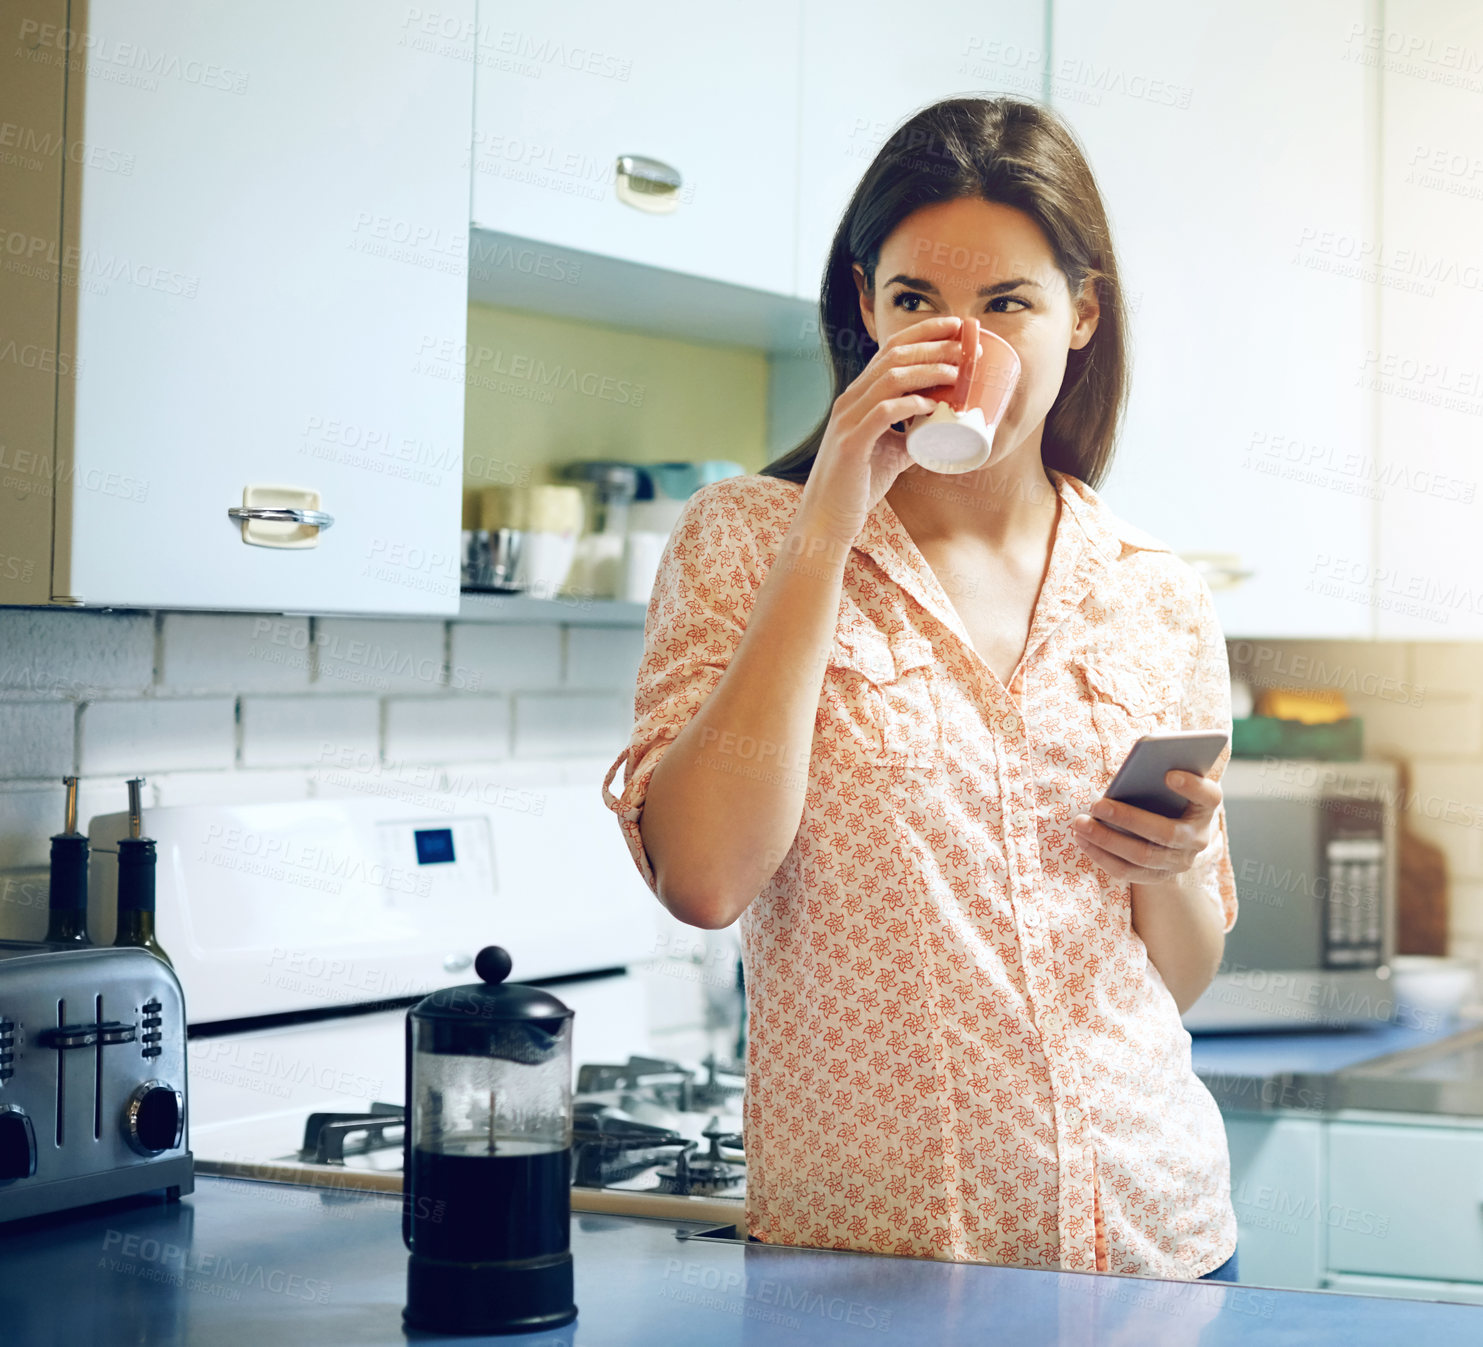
x=1276, y=1178
x=1405, y=1201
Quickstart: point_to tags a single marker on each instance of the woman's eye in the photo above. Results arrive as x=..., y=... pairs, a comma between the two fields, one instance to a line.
x=1008, y=299
x=908, y=300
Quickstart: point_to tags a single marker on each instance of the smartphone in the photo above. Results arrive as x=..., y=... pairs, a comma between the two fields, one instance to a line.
x=1140, y=780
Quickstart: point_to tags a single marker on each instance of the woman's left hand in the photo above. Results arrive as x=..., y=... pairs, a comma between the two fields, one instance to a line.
x=1163, y=848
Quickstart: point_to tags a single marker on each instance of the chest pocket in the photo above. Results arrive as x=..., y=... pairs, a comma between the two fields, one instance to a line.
x=1128, y=701
x=882, y=696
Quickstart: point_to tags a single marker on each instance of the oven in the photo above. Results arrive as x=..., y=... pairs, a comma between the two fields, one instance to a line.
x=301, y=932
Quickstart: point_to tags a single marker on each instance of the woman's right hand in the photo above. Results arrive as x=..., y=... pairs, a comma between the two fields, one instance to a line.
x=860, y=455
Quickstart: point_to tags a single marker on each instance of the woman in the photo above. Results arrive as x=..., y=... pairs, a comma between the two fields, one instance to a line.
x=876, y=711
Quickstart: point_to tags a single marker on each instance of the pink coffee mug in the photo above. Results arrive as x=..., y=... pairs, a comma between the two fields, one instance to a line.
x=959, y=435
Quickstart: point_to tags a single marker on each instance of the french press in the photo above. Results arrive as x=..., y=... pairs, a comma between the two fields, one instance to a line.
x=487, y=1155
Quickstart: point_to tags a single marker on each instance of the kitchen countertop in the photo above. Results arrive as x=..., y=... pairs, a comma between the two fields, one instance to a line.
x=1306, y=1069
x=241, y=1264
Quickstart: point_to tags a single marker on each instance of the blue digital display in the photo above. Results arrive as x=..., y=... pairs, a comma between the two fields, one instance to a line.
x=434, y=846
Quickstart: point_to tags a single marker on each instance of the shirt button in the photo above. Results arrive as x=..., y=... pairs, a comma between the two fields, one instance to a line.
x=1073, y=1116
x=1032, y=919
x=1011, y=722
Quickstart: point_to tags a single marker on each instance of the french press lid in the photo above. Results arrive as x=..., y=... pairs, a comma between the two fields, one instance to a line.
x=492, y=1018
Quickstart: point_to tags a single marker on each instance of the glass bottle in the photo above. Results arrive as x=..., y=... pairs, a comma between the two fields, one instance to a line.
x=136, y=869
x=67, y=902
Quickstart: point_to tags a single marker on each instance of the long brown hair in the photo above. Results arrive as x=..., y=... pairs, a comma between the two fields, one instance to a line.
x=1017, y=154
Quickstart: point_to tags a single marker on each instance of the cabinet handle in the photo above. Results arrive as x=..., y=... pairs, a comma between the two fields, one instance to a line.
x=647, y=184
x=276, y=515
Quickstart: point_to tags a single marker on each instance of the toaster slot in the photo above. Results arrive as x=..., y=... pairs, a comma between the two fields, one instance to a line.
x=98, y=1073
x=61, y=1072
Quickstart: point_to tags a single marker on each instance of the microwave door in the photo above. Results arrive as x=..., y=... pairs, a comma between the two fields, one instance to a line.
x=1281, y=884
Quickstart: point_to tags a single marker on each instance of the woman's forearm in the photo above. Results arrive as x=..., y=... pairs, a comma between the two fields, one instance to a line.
x=1182, y=930
x=724, y=804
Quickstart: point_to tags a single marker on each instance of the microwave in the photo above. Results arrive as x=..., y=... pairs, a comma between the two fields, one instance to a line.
x=1314, y=849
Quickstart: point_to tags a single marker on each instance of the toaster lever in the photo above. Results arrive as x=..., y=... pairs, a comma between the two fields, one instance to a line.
x=86, y=1035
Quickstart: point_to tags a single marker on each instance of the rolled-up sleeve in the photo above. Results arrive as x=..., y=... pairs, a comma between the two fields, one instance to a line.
x=1207, y=706
x=703, y=592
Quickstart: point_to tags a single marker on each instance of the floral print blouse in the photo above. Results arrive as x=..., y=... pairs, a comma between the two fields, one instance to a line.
x=958, y=1047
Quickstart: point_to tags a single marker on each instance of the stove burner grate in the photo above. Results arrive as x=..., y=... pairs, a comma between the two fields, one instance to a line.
x=327, y=1136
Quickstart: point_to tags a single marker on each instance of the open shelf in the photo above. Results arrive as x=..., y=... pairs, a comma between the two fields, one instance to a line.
x=519, y=273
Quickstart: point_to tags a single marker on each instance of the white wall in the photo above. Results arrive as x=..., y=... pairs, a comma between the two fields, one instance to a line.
x=230, y=707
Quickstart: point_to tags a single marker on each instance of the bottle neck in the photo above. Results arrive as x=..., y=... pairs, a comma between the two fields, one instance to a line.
x=136, y=869
x=67, y=900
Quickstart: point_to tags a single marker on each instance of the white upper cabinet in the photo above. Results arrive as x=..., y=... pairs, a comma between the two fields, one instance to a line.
x=863, y=76
x=1427, y=374
x=708, y=95
x=263, y=275
x=1234, y=146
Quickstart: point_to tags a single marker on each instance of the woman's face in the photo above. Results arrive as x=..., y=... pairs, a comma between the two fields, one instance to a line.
x=978, y=258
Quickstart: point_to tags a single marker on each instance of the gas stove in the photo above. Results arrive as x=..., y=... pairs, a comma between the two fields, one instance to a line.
x=302, y=931
x=641, y=1127
x=648, y=1125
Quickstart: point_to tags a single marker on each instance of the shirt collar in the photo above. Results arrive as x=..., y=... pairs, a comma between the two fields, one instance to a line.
x=1089, y=538
x=1111, y=536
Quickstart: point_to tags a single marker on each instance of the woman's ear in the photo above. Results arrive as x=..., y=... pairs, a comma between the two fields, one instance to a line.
x=867, y=300
x=1088, y=311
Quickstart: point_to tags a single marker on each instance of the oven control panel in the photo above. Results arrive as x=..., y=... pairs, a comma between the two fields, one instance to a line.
x=275, y=908
x=440, y=867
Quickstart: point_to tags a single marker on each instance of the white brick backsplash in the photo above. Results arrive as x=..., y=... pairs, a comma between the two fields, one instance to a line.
x=234, y=652
x=555, y=725
x=107, y=795
x=361, y=777
x=308, y=731
x=449, y=787
x=523, y=707
x=23, y=903
x=486, y=781
x=489, y=656
x=1471, y=948
x=366, y=655
x=29, y=815
x=1438, y=726
x=1448, y=667
x=75, y=654
x=604, y=658
x=1444, y=804
x=1465, y=916
x=447, y=729
x=156, y=734
x=260, y=787
x=1365, y=668
x=37, y=739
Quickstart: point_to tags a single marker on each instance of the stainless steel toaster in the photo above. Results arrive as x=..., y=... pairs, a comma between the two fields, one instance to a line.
x=92, y=1078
